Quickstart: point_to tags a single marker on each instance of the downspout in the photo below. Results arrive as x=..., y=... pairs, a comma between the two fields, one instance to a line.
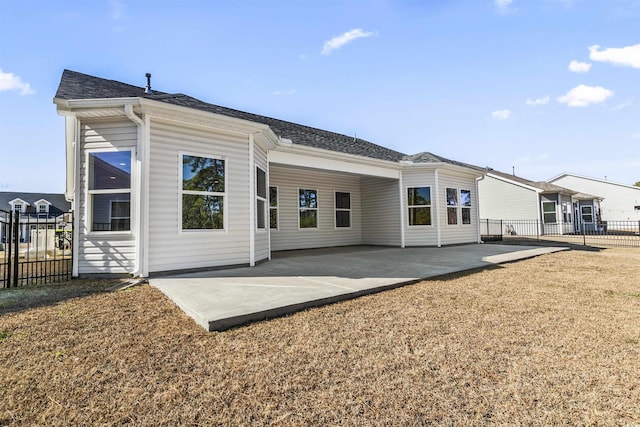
x=400, y=183
x=75, y=271
x=477, y=203
x=128, y=110
x=268, y=203
x=252, y=208
x=437, y=203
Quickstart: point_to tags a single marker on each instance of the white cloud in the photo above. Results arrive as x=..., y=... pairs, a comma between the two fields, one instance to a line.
x=579, y=67
x=339, y=41
x=539, y=101
x=623, y=105
x=503, y=6
x=9, y=81
x=627, y=56
x=284, y=92
x=501, y=114
x=583, y=96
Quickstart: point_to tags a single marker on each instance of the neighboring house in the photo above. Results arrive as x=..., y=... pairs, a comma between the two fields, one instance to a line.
x=37, y=211
x=621, y=202
x=519, y=201
x=163, y=182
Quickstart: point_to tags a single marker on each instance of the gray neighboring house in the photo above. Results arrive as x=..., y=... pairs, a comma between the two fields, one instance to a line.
x=557, y=209
x=621, y=201
x=163, y=181
x=37, y=210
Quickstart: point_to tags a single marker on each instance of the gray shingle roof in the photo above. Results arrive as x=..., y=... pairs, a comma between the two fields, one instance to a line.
x=546, y=187
x=58, y=201
x=74, y=85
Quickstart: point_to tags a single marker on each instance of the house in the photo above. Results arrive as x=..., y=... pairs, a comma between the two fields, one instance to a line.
x=162, y=182
x=621, y=202
x=37, y=211
x=520, y=201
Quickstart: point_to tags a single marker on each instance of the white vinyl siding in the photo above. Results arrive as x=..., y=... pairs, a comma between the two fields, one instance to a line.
x=108, y=253
x=420, y=235
x=503, y=200
x=289, y=181
x=169, y=249
x=380, y=211
x=461, y=232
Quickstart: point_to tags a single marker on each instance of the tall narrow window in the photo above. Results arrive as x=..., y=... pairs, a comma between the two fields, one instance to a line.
x=203, y=192
x=261, y=199
x=465, y=206
x=273, y=207
x=109, y=189
x=308, y=208
x=452, y=206
x=343, y=210
x=419, y=205
x=549, y=212
x=566, y=212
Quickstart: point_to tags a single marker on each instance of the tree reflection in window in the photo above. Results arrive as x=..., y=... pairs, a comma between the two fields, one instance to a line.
x=203, y=193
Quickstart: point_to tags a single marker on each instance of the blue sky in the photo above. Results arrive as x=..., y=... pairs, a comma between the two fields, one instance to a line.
x=545, y=86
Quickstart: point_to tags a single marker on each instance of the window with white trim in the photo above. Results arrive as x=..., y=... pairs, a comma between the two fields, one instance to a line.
x=549, y=212
x=452, y=206
x=419, y=205
x=261, y=199
x=42, y=208
x=17, y=207
x=465, y=206
x=587, y=213
x=343, y=209
x=202, y=192
x=273, y=207
x=308, y=208
x=109, y=189
x=566, y=212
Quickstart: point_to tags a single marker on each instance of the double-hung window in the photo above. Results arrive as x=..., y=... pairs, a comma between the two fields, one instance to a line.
x=566, y=212
x=452, y=206
x=273, y=207
x=109, y=188
x=202, y=192
x=419, y=205
x=465, y=206
x=549, y=212
x=308, y=208
x=587, y=213
x=343, y=210
x=261, y=199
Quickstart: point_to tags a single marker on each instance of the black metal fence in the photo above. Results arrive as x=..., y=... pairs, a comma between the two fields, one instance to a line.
x=602, y=234
x=35, y=248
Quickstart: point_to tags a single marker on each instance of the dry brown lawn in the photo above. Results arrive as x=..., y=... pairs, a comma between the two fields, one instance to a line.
x=546, y=341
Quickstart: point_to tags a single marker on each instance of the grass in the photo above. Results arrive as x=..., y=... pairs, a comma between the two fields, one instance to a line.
x=549, y=340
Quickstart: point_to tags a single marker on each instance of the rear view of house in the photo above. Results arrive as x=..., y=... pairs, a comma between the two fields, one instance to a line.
x=162, y=182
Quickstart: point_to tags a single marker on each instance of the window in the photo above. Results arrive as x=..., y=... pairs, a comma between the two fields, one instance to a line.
x=419, y=205
x=42, y=208
x=452, y=206
x=17, y=207
x=110, y=190
x=308, y=208
x=343, y=210
x=549, y=212
x=261, y=198
x=273, y=207
x=203, y=191
x=465, y=203
x=566, y=212
x=587, y=213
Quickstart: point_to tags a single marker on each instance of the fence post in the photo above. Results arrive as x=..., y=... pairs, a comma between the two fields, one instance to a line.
x=16, y=247
x=538, y=230
x=501, y=231
x=584, y=235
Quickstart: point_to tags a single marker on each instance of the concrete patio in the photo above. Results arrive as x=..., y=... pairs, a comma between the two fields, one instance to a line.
x=296, y=280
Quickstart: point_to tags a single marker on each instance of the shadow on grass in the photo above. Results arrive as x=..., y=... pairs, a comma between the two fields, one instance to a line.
x=524, y=241
x=25, y=297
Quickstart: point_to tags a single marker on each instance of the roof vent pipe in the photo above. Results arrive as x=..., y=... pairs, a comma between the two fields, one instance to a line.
x=148, y=88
